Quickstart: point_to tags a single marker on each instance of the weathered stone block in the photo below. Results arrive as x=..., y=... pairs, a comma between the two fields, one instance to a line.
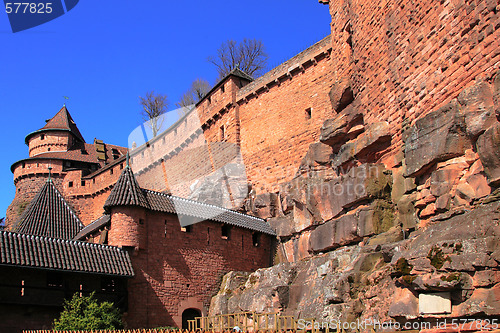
x=488, y=149
x=341, y=94
x=477, y=105
x=438, y=136
x=442, y=181
x=318, y=154
x=406, y=211
x=486, y=278
x=334, y=131
x=404, y=304
x=375, y=138
x=265, y=205
x=360, y=183
x=483, y=301
x=351, y=228
x=283, y=225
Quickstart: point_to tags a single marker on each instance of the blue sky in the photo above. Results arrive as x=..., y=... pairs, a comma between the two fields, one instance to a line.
x=105, y=54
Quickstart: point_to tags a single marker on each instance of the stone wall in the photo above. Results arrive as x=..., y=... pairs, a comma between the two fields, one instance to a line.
x=176, y=269
x=394, y=198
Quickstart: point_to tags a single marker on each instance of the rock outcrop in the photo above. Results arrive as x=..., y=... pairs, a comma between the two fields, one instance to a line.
x=361, y=236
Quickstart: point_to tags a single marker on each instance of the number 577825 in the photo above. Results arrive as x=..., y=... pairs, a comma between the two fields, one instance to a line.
x=28, y=7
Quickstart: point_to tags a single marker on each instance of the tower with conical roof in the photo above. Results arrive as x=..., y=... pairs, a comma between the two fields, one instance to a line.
x=75, y=165
x=60, y=133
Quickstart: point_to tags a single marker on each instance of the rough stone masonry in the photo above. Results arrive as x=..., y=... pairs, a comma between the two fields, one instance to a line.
x=414, y=125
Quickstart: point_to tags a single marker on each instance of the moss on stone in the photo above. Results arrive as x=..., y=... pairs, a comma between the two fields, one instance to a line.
x=380, y=186
x=451, y=277
x=403, y=267
x=383, y=216
x=22, y=206
x=408, y=279
x=437, y=257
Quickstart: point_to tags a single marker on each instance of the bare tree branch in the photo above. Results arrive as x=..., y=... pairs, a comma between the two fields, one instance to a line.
x=249, y=55
x=153, y=106
x=199, y=88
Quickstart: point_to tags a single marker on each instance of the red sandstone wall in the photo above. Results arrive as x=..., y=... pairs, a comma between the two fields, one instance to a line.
x=175, y=270
x=276, y=131
x=86, y=195
x=267, y=117
x=407, y=58
x=55, y=141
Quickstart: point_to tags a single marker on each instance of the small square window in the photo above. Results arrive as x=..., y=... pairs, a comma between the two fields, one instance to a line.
x=111, y=171
x=70, y=184
x=83, y=183
x=187, y=228
x=222, y=89
x=42, y=137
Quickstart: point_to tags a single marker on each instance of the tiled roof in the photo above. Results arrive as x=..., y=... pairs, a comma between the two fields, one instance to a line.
x=49, y=215
x=94, y=226
x=128, y=193
x=180, y=206
x=61, y=121
x=58, y=254
x=88, y=155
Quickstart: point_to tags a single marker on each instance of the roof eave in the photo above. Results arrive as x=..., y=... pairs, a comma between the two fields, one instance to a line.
x=42, y=130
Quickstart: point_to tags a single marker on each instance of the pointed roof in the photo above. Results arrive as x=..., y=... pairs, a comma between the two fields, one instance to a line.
x=239, y=73
x=62, y=121
x=49, y=215
x=234, y=72
x=126, y=192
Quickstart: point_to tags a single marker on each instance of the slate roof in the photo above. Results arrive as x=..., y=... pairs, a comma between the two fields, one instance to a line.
x=128, y=193
x=62, y=121
x=58, y=254
x=49, y=215
x=93, y=226
x=171, y=204
x=238, y=72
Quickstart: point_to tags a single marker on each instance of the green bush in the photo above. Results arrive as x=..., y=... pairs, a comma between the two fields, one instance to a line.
x=85, y=313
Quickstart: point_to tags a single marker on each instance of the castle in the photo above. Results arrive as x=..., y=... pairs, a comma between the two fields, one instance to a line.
x=367, y=165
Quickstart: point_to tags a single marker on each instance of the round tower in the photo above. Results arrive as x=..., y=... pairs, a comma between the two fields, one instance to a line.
x=59, y=134
x=48, y=147
x=127, y=206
